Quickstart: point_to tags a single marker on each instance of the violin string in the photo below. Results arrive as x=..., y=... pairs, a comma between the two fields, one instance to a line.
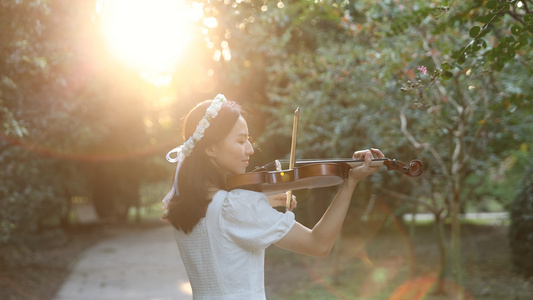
x=307, y=161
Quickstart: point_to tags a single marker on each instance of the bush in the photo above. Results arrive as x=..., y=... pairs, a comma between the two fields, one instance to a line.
x=521, y=229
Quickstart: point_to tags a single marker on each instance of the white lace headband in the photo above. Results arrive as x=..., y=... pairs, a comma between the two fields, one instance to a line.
x=198, y=134
x=186, y=149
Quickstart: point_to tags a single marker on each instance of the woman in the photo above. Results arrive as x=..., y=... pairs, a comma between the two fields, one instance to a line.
x=222, y=235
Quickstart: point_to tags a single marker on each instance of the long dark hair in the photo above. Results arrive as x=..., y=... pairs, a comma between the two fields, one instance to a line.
x=197, y=172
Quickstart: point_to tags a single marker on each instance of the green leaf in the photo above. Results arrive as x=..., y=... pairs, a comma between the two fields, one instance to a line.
x=447, y=75
x=492, y=4
x=478, y=44
x=497, y=51
x=516, y=29
x=528, y=19
x=446, y=66
x=511, y=52
x=482, y=19
x=523, y=40
x=504, y=7
x=462, y=58
x=504, y=41
x=498, y=65
x=474, y=31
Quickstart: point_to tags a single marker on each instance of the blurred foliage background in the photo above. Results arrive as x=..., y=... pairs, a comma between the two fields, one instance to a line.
x=447, y=82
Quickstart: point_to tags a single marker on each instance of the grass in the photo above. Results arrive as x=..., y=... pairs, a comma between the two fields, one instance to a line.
x=393, y=265
x=37, y=274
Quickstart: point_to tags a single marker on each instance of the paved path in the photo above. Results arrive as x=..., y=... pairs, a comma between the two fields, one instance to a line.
x=131, y=264
x=137, y=264
x=494, y=217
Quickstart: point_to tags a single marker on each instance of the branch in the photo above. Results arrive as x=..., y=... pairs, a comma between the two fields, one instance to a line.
x=419, y=145
x=481, y=32
x=526, y=8
x=444, y=70
x=516, y=16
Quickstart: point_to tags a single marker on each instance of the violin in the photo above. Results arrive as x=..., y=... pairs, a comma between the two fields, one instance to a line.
x=311, y=173
x=306, y=174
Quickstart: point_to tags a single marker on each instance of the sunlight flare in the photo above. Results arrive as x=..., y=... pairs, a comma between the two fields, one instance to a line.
x=149, y=35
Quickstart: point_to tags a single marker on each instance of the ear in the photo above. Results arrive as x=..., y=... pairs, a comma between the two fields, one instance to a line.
x=211, y=151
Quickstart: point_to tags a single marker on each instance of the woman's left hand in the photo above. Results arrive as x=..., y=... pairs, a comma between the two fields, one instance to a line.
x=366, y=169
x=280, y=200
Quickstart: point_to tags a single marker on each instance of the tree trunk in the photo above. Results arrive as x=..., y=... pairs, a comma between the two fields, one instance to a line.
x=455, y=245
x=441, y=238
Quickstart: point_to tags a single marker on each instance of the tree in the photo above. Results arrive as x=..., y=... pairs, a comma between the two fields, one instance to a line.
x=72, y=118
x=501, y=43
x=502, y=36
x=31, y=65
x=520, y=238
x=343, y=64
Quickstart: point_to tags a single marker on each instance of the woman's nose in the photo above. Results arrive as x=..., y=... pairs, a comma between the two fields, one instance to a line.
x=249, y=149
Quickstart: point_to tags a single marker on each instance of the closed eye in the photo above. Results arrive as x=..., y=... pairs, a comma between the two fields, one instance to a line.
x=242, y=139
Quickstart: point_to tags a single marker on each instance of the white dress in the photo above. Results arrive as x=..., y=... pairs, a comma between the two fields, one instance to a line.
x=225, y=252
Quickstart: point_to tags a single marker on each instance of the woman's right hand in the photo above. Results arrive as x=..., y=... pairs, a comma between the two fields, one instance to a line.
x=360, y=172
x=280, y=200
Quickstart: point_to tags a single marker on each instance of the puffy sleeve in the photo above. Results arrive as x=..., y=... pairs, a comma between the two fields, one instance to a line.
x=249, y=220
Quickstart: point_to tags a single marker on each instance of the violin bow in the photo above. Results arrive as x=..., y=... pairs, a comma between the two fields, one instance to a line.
x=292, y=157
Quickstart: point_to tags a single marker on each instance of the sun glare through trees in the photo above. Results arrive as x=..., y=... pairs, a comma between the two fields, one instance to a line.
x=149, y=35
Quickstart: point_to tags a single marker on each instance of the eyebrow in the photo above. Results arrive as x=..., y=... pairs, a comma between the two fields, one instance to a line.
x=241, y=135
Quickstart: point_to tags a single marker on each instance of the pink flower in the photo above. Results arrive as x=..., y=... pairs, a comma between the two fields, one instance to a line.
x=423, y=70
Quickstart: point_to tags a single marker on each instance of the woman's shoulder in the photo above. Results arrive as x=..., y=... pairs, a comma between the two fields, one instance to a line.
x=240, y=199
x=240, y=193
x=245, y=197
x=248, y=218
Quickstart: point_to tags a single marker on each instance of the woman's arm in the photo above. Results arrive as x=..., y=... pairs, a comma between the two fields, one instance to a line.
x=320, y=240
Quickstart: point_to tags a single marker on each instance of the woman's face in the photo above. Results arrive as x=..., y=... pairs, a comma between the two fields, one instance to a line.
x=232, y=155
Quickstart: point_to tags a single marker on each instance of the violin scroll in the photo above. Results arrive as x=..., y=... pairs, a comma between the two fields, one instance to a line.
x=415, y=168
